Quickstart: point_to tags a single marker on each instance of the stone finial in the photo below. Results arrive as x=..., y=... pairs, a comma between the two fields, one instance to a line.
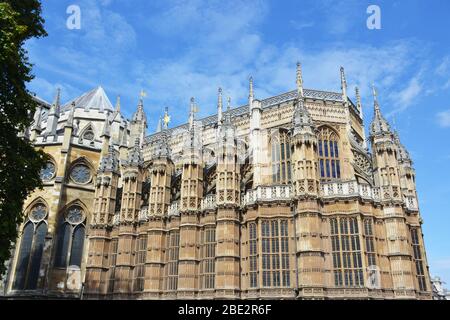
x=343, y=84
x=193, y=110
x=56, y=103
x=118, y=104
x=166, y=118
x=375, y=99
x=159, y=126
x=358, y=101
x=135, y=155
x=299, y=80
x=70, y=117
x=250, y=94
x=123, y=140
x=379, y=124
x=219, y=106
x=110, y=162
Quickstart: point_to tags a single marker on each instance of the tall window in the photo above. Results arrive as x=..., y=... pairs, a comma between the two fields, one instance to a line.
x=31, y=249
x=418, y=259
x=370, y=242
x=112, y=264
x=171, y=268
x=253, y=255
x=330, y=166
x=141, y=250
x=346, y=252
x=70, y=238
x=207, y=270
x=275, y=253
x=281, y=158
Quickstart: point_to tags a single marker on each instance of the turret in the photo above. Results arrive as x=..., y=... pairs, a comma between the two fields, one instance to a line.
x=104, y=208
x=191, y=196
x=384, y=150
x=305, y=186
x=255, y=139
x=129, y=213
x=227, y=218
x=132, y=185
x=304, y=146
x=138, y=126
x=386, y=177
x=192, y=174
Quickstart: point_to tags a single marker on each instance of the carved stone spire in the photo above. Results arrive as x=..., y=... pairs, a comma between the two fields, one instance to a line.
x=123, y=140
x=379, y=124
x=192, y=114
x=69, y=122
x=56, y=103
x=299, y=80
x=159, y=126
x=110, y=162
x=358, y=102
x=162, y=149
x=106, y=132
x=53, y=114
x=403, y=154
x=219, y=107
x=135, y=155
x=118, y=104
x=228, y=113
x=302, y=121
x=250, y=94
x=343, y=85
x=166, y=118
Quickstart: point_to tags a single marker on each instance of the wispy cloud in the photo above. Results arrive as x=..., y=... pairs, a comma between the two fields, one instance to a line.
x=406, y=96
x=443, y=118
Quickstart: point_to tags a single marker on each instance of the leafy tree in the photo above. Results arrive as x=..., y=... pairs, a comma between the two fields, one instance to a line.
x=20, y=163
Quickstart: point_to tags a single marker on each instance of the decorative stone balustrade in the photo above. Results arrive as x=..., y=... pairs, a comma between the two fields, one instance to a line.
x=267, y=193
x=349, y=189
x=174, y=209
x=208, y=202
x=143, y=214
x=411, y=203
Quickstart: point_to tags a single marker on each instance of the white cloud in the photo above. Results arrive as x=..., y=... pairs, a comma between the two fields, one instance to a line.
x=444, y=68
x=406, y=96
x=443, y=118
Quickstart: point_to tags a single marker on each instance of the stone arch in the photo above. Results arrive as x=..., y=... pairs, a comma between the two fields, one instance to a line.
x=88, y=128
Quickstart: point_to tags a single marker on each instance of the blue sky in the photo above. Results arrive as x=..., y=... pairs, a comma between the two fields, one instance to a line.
x=178, y=49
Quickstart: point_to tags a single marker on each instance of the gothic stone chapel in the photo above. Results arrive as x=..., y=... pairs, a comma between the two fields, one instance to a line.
x=282, y=198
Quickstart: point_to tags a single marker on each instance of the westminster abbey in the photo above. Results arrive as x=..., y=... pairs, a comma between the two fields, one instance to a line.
x=282, y=198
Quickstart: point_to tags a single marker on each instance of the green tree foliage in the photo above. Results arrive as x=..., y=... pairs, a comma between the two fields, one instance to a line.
x=20, y=163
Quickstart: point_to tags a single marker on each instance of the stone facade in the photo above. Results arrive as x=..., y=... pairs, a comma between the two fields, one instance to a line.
x=280, y=198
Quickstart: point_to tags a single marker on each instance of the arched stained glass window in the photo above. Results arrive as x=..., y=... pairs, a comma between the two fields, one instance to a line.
x=36, y=257
x=31, y=249
x=281, y=157
x=77, y=246
x=71, y=233
x=328, y=149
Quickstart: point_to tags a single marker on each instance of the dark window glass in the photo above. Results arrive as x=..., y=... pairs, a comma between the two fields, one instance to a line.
x=38, y=247
x=77, y=246
x=24, y=256
x=62, y=247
